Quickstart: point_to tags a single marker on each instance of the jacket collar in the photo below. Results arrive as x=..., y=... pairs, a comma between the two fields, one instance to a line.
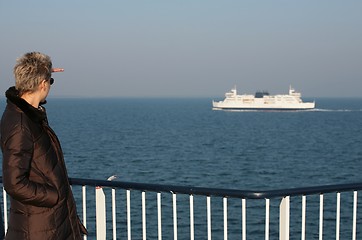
x=37, y=115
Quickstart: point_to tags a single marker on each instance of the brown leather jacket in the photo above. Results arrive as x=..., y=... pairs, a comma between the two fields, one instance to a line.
x=35, y=176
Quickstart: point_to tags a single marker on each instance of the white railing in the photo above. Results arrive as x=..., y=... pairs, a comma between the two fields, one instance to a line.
x=120, y=210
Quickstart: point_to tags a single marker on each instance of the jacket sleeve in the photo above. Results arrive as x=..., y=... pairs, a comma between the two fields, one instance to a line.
x=17, y=157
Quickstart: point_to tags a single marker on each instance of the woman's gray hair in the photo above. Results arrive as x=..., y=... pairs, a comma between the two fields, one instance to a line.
x=30, y=70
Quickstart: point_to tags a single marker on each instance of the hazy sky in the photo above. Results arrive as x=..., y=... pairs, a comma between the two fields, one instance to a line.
x=188, y=48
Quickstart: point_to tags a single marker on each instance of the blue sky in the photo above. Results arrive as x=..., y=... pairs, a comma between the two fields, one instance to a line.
x=189, y=48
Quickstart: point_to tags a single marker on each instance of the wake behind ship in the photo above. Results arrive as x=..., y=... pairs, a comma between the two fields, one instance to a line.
x=262, y=101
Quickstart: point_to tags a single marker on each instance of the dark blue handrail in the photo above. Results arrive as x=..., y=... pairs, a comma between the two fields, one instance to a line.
x=219, y=192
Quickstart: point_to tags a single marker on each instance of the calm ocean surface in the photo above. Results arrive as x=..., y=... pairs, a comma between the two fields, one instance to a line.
x=185, y=142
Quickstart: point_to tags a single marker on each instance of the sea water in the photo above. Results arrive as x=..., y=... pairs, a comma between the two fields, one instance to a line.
x=185, y=142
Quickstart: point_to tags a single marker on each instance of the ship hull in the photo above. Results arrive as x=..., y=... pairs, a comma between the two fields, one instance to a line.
x=262, y=107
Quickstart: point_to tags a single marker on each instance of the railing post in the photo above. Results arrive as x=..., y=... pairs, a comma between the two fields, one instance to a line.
x=159, y=216
x=100, y=214
x=321, y=207
x=208, y=204
x=5, y=202
x=144, y=224
x=128, y=197
x=192, y=227
x=225, y=218
x=84, y=209
x=174, y=203
x=114, y=214
x=243, y=213
x=267, y=217
x=354, y=226
x=338, y=215
x=284, y=220
x=304, y=210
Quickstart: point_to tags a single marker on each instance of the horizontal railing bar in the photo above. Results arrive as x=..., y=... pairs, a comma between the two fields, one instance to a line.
x=220, y=192
x=247, y=194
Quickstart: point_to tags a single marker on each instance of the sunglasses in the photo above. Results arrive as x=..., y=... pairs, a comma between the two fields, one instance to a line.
x=51, y=81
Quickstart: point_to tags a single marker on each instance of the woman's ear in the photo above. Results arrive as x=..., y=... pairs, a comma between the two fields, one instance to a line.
x=43, y=85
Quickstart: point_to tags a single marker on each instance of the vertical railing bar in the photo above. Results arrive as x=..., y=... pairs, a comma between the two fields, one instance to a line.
x=267, y=216
x=354, y=215
x=321, y=217
x=243, y=214
x=144, y=216
x=284, y=218
x=84, y=204
x=114, y=220
x=174, y=204
x=225, y=200
x=159, y=218
x=338, y=212
x=208, y=201
x=5, y=210
x=129, y=215
x=101, y=213
x=304, y=210
x=192, y=235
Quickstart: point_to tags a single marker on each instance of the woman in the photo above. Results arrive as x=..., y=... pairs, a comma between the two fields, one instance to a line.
x=34, y=172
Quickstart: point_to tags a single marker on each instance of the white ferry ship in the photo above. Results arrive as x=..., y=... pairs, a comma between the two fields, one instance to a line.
x=262, y=101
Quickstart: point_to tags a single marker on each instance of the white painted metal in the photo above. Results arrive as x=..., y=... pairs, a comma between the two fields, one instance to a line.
x=320, y=216
x=267, y=212
x=84, y=191
x=174, y=204
x=5, y=210
x=225, y=218
x=192, y=230
x=101, y=214
x=144, y=215
x=304, y=210
x=243, y=213
x=159, y=218
x=114, y=219
x=354, y=215
x=338, y=212
x=129, y=233
x=208, y=203
x=284, y=215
